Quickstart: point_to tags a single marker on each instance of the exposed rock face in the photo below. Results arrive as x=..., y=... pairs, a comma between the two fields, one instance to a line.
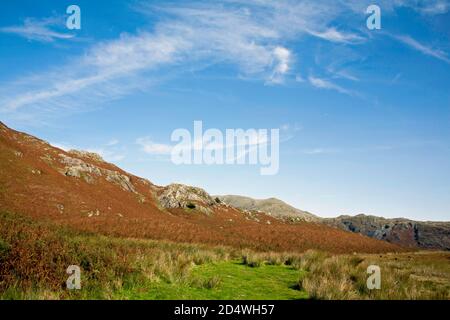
x=78, y=168
x=187, y=197
x=426, y=235
x=273, y=207
x=122, y=180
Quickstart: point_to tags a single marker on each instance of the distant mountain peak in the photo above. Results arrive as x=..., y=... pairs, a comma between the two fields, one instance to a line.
x=272, y=206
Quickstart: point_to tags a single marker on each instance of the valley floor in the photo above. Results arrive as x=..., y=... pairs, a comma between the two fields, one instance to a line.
x=34, y=257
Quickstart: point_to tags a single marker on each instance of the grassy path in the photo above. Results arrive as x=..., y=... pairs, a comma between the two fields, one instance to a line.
x=227, y=280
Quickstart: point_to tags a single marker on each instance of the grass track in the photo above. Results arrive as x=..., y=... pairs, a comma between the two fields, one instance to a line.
x=227, y=281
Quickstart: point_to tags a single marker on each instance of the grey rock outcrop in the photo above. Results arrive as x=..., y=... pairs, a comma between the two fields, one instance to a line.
x=75, y=167
x=409, y=233
x=186, y=197
x=120, y=179
x=78, y=168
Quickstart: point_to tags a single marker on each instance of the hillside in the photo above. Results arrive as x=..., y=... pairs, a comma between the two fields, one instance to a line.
x=80, y=190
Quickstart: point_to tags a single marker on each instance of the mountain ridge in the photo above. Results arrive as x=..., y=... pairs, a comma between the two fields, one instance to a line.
x=402, y=231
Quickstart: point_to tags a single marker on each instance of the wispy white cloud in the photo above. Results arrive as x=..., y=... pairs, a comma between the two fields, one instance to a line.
x=396, y=78
x=317, y=151
x=346, y=150
x=282, y=58
x=299, y=78
x=385, y=148
x=253, y=36
x=112, y=142
x=254, y=139
x=334, y=35
x=185, y=36
x=434, y=7
x=151, y=147
x=98, y=75
x=342, y=74
x=154, y=148
x=425, y=49
x=326, y=84
x=39, y=30
x=428, y=7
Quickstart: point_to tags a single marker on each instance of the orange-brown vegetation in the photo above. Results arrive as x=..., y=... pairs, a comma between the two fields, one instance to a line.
x=32, y=182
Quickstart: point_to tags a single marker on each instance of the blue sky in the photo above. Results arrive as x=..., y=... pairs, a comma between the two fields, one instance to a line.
x=365, y=114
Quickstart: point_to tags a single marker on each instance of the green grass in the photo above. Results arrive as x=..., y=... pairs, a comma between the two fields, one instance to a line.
x=227, y=280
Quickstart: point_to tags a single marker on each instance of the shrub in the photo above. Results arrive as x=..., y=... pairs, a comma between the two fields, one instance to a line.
x=311, y=260
x=252, y=260
x=213, y=282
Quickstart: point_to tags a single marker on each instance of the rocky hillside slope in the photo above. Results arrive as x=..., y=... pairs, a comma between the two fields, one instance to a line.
x=425, y=235
x=80, y=190
x=273, y=207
